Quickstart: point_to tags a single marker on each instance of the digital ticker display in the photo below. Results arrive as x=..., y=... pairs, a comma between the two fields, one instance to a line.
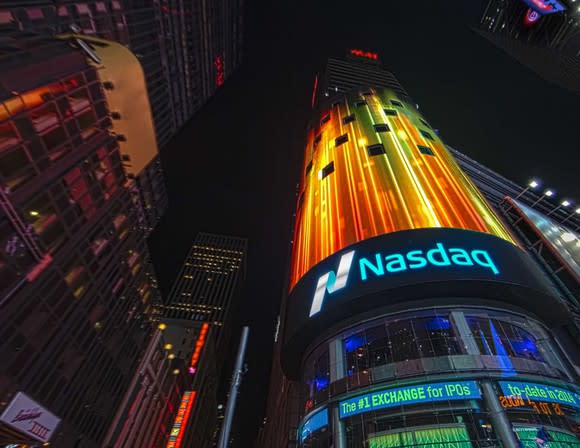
x=540, y=392
x=374, y=166
x=423, y=393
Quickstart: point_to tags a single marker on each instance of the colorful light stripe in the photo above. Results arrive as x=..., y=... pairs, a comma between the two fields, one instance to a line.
x=367, y=196
x=198, y=346
x=178, y=429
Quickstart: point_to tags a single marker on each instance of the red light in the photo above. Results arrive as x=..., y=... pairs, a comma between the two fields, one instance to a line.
x=181, y=419
x=365, y=54
x=198, y=346
x=531, y=17
x=219, y=68
x=314, y=90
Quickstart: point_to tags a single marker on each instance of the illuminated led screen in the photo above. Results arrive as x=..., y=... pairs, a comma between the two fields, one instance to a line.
x=455, y=436
x=564, y=242
x=373, y=166
x=314, y=423
x=541, y=392
x=423, y=393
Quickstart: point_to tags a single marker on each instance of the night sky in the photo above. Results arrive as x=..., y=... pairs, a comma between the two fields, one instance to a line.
x=234, y=168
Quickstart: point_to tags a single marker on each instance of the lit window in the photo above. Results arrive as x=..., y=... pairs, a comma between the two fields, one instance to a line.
x=396, y=103
x=381, y=127
x=326, y=170
x=348, y=119
x=426, y=150
x=340, y=140
x=391, y=112
x=376, y=150
x=426, y=135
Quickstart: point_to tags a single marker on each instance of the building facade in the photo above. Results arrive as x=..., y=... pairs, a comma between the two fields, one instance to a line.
x=186, y=50
x=77, y=283
x=417, y=314
x=542, y=35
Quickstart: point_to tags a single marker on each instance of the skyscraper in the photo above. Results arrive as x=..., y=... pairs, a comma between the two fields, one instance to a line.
x=186, y=49
x=76, y=278
x=415, y=316
x=542, y=35
x=208, y=285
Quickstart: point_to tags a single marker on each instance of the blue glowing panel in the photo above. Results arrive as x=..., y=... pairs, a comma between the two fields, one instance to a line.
x=545, y=6
x=422, y=393
x=314, y=423
x=540, y=392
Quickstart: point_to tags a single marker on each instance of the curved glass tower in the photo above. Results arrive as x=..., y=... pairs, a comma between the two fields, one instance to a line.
x=414, y=317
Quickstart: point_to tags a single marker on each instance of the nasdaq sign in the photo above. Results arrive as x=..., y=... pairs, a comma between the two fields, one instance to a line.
x=545, y=6
x=378, y=265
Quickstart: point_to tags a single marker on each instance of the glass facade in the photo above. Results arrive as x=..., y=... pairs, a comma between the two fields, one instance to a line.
x=408, y=354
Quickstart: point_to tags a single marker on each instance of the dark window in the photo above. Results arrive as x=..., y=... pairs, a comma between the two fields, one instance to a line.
x=367, y=93
x=336, y=104
x=317, y=139
x=381, y=127
x=325, y=119
x=396, y=103
x=360, y=103
x=390, y=112
x=308, y=168
x=426, y=135
x=424, y=122
x=340, y=140
x=376, y=150
x=348, y=119
x=426, y=150
x=326, y=170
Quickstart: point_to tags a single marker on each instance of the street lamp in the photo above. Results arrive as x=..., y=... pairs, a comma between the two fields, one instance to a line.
x=547, y=194
x=564, y=203
x=533, y=184
x=575, y=212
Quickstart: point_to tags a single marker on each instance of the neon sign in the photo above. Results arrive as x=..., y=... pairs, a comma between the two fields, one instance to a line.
x=178, y=429
x=531, y=17
x=424, y=393
x=198, y=346
x=542, y=392
x=380, y=265
x=365, y=54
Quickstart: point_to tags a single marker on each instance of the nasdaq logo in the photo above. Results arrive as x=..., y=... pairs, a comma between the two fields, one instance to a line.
x=332, y=282
x=382, y=265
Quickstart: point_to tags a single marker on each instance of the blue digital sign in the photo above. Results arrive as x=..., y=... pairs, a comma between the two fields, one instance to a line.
x=545, y=6
x=423, y=393
x=314, y=423
x=540, y=392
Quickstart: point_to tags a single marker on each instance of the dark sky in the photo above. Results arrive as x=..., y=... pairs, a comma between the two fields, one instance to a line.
x=233, y=169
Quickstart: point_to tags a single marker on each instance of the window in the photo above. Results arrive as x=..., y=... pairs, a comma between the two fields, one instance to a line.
x=367, y=93
x=376, y=150
x=340, y=140
x=426, y=134
x=426, y=150
x=325, y=119
x=381, y=127
x=336, y=104
x=424, y=122
x=360, y=103
x=390, y=112
x=308, y=168
x=326, y=170
x=396, y=103
x=348, y=119
x=317, y=139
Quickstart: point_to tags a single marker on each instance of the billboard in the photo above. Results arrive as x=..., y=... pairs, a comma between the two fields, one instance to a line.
x=544, y=7
x=27, y=416
x=373, y=166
